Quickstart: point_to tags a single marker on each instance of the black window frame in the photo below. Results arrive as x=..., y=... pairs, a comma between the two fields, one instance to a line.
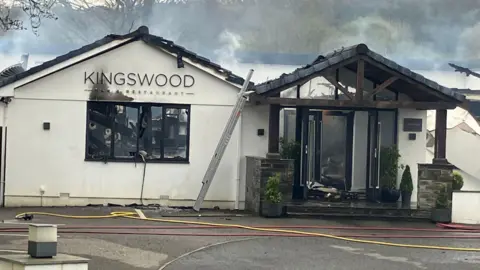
x=137, y=158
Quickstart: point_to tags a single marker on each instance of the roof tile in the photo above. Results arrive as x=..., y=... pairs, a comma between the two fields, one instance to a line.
x=142, y=33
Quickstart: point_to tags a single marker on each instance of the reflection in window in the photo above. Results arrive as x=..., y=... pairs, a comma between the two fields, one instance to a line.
x=175, y=139
x=157, y=135
x=99, y=131
x=158, y=132
x=125, y=143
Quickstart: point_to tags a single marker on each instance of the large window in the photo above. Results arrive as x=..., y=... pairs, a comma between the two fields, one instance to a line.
x=130, y=131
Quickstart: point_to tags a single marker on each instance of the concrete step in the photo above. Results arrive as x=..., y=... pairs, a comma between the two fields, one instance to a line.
x=366, y=212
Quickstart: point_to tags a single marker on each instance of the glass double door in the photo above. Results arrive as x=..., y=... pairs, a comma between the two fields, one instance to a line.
x=326, y=142
x=381, y=134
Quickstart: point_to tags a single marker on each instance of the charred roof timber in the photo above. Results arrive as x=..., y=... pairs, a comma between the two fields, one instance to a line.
x=465, y=70
x=142, y=33
x=345, y=57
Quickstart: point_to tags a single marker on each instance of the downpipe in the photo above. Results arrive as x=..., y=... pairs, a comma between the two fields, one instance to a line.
x=239, y=162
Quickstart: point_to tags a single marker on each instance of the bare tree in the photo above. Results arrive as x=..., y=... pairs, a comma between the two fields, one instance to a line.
x=14, y=13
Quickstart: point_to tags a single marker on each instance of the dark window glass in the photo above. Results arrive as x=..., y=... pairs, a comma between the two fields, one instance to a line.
x=99, y=131
x=126, y=121
x=175, y=137
x=157, y=135
x=137, y=131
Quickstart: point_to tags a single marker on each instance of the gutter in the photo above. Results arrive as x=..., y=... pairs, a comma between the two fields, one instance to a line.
x=3, y=157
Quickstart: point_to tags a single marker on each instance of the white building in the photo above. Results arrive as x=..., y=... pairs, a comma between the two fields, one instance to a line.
x=60, y=119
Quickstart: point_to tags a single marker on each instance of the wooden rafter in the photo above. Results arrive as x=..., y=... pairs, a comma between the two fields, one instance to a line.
x=364, y=104
x=382, y=86
x=339, y=87
x=407, y=79
x=360, y=80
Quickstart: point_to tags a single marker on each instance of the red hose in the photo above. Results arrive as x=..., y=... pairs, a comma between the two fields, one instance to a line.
x=445, y=227
x=457, y=227
x=253, y=234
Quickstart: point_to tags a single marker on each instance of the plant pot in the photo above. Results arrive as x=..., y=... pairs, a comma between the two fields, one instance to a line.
x=443, y=215
x=270, y=209
x=390, y=195
x=406, y=199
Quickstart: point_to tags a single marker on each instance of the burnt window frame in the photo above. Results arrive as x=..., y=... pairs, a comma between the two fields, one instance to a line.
x=137, y=158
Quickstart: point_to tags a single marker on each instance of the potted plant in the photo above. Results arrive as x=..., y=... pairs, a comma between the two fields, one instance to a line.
x=442, y=212
x=389, y=157
x=457, y=181
x=272, y=204
x=406, y=187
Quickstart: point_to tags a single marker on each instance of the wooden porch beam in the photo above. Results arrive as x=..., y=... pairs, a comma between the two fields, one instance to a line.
x=360, y=80
x=364, y=104
x=382, y=86
x=339, y=87
x=408, y=79
x=304, y=79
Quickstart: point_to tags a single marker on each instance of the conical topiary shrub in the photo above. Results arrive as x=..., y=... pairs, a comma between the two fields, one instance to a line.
x=406, y=187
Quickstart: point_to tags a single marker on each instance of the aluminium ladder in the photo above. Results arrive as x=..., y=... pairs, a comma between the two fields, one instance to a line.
x=223, y=143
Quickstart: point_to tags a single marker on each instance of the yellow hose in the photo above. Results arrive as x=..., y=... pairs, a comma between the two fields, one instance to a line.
x=134, y=215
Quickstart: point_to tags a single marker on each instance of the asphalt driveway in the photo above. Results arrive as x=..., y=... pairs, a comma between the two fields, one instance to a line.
x=152, y=252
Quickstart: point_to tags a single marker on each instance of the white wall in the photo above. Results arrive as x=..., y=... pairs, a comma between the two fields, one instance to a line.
x=360, y=142
x=470, y=182
x=464, y=205
x=253, y=118
x=55, y=158
x=412, y=152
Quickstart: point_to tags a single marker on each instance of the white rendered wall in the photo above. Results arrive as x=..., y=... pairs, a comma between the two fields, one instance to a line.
x=412, y=151
x=464, y=205
x=55, y=158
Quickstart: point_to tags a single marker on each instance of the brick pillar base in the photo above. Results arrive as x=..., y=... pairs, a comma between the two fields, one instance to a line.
x=433, y=178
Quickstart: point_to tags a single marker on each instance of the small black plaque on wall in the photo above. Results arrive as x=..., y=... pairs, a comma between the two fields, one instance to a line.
x=412, y=124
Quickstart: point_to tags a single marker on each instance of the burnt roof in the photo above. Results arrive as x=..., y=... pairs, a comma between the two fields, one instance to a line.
x=142, y=33
x=338, y=57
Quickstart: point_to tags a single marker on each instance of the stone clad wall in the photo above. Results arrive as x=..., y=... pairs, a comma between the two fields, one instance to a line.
x=252, y=183
x=258, y=171
x=431, y=179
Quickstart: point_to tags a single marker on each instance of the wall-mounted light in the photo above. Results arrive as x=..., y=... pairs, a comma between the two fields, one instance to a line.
x=46, y=125
x=260, y=132
x=180, y=63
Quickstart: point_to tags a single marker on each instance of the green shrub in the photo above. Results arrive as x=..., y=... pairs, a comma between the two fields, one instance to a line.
x=406, y=185
x=389, y=157
x=289, y=149
x=457, y=181
x=272, y=189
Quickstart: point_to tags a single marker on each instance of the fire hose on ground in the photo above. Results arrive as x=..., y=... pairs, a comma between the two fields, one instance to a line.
x=271, y=231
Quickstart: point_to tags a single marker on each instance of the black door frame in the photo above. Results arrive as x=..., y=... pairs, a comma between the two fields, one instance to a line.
x=302, y=174
x=372, y=193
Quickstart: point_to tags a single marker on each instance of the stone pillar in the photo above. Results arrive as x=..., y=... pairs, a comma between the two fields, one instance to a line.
x=433, y=178
x=258, y=171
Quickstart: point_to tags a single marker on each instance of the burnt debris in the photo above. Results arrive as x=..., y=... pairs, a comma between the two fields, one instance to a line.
x=465, y=70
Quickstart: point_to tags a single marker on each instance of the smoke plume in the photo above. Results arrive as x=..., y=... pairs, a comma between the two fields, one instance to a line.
x=434, y=30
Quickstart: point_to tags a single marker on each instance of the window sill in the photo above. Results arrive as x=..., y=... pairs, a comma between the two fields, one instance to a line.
x=167, y=161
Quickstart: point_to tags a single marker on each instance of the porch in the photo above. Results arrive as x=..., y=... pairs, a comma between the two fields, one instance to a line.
x=339, y=115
